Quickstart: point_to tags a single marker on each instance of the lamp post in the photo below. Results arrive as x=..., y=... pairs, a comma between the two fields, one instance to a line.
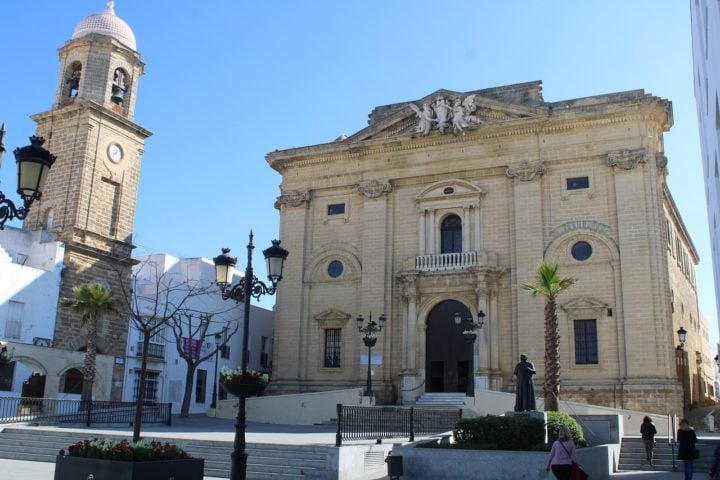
x=249, y=287
x=218, y=341
x=369, y=332
x=682, y=360
x=470, y=335
x=33, y=164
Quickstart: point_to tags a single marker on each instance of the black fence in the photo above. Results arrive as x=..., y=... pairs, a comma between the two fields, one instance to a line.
x=376, y=423
x=89, y=412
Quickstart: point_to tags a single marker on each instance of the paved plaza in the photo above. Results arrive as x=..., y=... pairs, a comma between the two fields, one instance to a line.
x=205, y=428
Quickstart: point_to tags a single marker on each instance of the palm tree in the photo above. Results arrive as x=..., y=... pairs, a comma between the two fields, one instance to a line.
x=90, y=301
x=549, y=285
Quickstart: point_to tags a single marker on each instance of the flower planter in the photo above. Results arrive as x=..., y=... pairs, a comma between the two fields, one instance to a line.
x=73, y=468
x=369, y=341
x=469, y=337
x=240, y=389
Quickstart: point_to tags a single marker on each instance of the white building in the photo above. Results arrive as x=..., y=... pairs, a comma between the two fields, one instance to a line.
x=166, y=368
x=705, y=18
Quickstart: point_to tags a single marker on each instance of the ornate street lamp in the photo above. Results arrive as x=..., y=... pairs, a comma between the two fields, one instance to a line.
x=470, y=334
x=218, y=342
x=682, y=336
x=249, y=287
x=33, y=164
x=369, y=332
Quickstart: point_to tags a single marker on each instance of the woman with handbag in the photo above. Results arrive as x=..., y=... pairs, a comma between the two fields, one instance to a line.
x=562, y=455
x=687, y=452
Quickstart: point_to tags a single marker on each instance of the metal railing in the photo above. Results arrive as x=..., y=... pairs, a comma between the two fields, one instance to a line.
x=155, y=350
x=57, y=411
x=376, y=423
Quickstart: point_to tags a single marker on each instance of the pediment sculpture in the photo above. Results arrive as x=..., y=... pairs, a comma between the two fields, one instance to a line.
x=442, y=115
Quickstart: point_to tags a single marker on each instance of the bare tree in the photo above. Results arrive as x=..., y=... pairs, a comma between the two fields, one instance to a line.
x=192, y=329
x=155, y=297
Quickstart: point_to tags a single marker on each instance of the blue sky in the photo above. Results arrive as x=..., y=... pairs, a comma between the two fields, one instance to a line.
x=227, y=81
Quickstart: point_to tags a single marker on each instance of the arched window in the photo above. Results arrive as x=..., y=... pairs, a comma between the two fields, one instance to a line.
x=73, y=79
x=119, y=86
x=451, y=235
x=73, y=381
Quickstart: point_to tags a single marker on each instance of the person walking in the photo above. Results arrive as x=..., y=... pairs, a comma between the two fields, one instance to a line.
x=687, y=452
x=562, y=455
x=715, y=467
x=648, y=432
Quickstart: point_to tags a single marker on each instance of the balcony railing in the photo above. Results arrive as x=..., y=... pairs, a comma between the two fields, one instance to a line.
x=446, y=261
x=155, y=350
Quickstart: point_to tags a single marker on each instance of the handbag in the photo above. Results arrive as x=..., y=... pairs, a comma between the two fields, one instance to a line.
x=577, y=473
x=695, y=453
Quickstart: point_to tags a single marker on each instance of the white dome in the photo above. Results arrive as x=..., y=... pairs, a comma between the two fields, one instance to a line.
x=106, y=23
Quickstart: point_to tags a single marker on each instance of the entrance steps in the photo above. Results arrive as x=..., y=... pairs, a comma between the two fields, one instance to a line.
x=632, y=455
x=441, y=399
x=279, y=462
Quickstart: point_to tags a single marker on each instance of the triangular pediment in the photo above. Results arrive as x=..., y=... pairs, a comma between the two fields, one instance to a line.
x=448, y=112
x=584, y=303
x=332, y=317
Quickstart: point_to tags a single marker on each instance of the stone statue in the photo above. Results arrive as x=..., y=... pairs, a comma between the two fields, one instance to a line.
x=524, y=389
x=425, y=117
x=441, y=113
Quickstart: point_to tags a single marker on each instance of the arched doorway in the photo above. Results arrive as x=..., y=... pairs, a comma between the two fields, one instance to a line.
x=448, y=357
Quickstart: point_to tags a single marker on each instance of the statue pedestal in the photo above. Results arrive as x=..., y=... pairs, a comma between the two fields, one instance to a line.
x=534, y=414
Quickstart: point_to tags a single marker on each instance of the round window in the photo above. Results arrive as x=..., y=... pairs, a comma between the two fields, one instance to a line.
x=581, y=251
x=335, y=268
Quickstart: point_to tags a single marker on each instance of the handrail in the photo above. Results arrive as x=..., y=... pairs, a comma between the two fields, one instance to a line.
x=375, y=423
x=59, y=410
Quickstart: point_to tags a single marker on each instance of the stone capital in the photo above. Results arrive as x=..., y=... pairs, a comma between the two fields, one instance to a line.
x=373, y=188
x=293, y=198
x=627, y=159
x=525, y=171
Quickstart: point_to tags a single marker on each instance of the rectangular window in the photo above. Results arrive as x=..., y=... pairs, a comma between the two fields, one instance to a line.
x=225, y=351
x=13, y=323
x=332, y=348
x=113, y=189
x=7, y=373
x=578, y=183
x=586, y=344
x=200, y=386
x=265, y=352
x=151, y=385
x=336, y=209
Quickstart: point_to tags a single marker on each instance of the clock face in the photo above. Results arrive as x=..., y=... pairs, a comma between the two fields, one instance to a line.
x=115, y=152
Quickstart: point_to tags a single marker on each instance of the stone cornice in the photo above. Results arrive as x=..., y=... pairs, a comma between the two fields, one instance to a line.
x=89, y=105
x=332, y=152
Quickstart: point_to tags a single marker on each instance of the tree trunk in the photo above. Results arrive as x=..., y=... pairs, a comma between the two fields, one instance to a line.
x=89, y=361
x=551, y=386
x=137, y=424
x=187, y=397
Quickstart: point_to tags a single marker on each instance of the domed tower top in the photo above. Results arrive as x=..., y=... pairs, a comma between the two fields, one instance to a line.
x=106, y=23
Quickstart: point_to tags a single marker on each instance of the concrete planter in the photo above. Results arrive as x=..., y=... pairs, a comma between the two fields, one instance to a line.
x=441, y=464
x=71, y=468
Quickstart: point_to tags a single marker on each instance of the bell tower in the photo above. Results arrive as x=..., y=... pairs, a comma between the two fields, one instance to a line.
x=90, y=194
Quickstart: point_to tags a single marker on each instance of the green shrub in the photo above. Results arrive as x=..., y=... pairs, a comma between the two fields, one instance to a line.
x=502, y=433
x=556, y=420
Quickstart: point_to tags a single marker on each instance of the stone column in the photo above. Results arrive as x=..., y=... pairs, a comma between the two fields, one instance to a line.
x=527, y=237
x=421, y=232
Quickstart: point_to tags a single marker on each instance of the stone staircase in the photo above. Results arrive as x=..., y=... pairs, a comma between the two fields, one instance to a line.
x=441, y=399
x=278, y=462
x=632, y=455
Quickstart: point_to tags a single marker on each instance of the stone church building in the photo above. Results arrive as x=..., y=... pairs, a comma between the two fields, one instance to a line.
x=445, y=205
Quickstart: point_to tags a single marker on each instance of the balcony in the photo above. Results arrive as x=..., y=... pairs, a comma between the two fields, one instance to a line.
x=156, y=351
x=437, y=262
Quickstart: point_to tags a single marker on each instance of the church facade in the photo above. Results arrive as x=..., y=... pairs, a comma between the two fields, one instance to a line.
x=443, y=206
